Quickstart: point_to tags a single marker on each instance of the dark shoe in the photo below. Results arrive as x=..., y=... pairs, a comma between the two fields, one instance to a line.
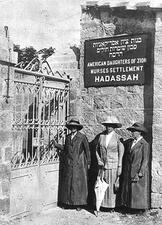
x=96, y=213
x=112, y=210
x=78, y=209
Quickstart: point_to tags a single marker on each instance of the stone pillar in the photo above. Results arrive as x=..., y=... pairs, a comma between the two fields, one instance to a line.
x=157, y=118
x=129, y=103
x=6, y=113
x=67, y=63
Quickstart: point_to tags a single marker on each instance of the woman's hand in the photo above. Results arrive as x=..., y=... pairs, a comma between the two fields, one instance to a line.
x=100, y=163
x=102, y=176
x=54, y=143
x=135, y=179
x=119, y=171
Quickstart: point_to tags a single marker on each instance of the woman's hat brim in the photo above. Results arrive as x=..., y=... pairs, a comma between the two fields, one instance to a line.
x=140, y=129
x=70, y=125
x=117, y=125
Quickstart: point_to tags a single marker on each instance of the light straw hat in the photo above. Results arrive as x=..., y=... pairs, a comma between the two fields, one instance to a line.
x=112, y=120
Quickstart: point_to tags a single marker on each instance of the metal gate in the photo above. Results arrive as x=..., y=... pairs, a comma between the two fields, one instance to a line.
x=40, y=109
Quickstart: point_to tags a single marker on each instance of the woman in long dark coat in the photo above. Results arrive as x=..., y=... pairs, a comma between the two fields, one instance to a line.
x=75, y=160
x=135, y=190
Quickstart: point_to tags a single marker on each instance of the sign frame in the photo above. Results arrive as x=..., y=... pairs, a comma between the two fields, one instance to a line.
x=119, y=60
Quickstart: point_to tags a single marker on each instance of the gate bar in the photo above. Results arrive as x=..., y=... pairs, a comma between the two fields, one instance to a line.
x=28, y=72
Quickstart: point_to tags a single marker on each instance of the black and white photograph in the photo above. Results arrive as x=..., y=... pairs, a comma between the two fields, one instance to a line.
x=81, y=112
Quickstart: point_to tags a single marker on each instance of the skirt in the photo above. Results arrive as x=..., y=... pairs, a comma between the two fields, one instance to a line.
x=109, y=200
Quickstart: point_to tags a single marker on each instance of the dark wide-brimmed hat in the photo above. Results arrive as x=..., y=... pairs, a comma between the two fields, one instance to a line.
x=137, y=127
x=74, y=123
x=113, y=121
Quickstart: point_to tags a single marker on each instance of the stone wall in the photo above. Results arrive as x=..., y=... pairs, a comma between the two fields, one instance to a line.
x=157, y=118
x=6, y=71
x=128, y=103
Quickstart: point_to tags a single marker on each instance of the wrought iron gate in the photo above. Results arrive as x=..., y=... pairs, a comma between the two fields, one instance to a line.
x=41, y=104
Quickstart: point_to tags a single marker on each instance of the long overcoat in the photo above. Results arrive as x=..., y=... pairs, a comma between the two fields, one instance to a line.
x=136, y=160
x=73, y=177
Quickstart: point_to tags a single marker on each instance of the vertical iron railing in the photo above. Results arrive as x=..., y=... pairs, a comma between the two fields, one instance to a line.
x=40, y=112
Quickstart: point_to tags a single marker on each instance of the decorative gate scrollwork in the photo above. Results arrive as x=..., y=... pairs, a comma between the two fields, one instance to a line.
x=40, y=110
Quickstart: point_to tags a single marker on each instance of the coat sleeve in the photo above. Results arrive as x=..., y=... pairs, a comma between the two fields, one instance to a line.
x=59, y=146
x=145, y=158
x=120, y=153
x=99, y=160
x=120, y=157
x=87, y=150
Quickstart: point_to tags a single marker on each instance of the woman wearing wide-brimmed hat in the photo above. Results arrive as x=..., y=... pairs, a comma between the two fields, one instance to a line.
x=135, y=192
x=73, y=188
x=109, y=154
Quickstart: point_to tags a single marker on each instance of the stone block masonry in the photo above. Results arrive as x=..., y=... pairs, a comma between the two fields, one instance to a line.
x=157, y=118
x=6, y=60
x=128, y=103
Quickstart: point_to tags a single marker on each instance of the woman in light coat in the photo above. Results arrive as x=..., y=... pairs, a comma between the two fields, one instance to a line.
x=109, y=153
x=135, y=191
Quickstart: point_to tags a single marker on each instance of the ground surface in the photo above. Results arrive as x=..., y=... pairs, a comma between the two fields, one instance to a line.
x=59, y=216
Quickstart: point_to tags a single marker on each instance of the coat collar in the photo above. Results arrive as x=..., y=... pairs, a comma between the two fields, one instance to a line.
x=136, y=144
x=74, y=138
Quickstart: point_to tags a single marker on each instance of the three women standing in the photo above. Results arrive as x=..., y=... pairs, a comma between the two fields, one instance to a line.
x=134, y=166
x=109, y=153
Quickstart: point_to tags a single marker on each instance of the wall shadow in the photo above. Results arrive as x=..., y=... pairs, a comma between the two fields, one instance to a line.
x=148, y=97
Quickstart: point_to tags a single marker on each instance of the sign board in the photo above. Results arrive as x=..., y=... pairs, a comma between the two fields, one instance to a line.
x=119, y=60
